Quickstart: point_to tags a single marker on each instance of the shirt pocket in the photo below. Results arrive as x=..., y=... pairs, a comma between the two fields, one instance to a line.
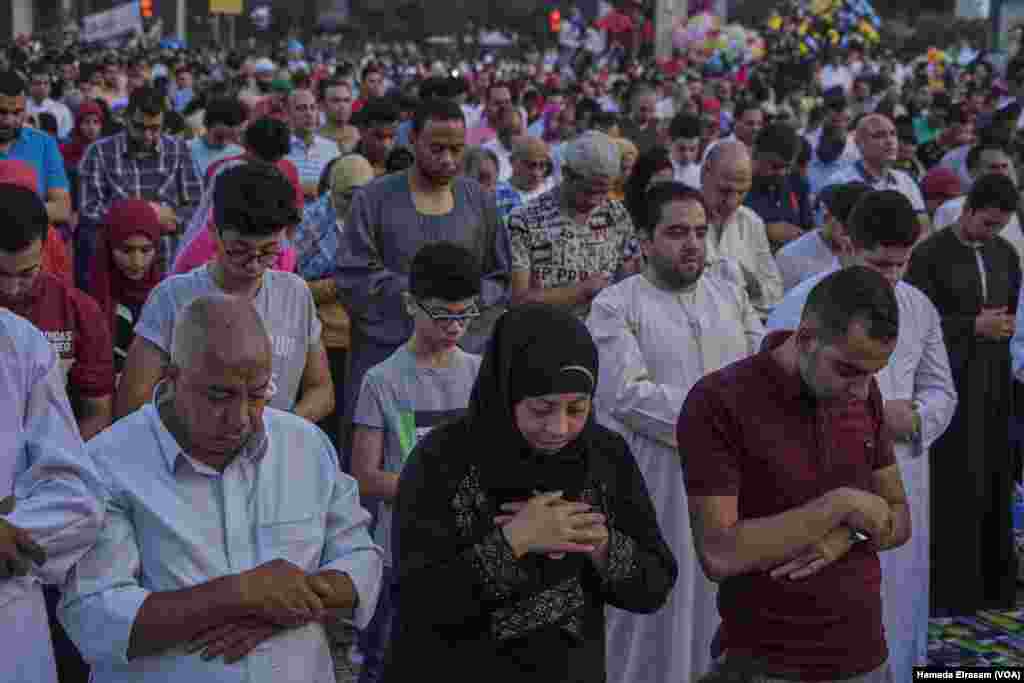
x=300, y=540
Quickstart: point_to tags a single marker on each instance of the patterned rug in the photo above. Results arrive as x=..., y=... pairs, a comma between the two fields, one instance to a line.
x=987, y=639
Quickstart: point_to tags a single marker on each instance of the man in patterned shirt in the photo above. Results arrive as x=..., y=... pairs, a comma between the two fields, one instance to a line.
x=140, y=163
x=571, y=242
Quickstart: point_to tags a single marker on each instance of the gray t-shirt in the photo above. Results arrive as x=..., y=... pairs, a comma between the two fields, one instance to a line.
x=406, y=401
x=284, y=302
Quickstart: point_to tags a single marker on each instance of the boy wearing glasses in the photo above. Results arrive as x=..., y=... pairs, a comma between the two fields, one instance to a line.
x=253, y=208
x=426, y=382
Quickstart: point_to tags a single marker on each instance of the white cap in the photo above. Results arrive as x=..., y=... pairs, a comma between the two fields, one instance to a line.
x=593, y=154
x=263, y=66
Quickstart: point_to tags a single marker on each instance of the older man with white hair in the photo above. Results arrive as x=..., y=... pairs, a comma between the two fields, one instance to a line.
x=572, y=241
x=231, y=534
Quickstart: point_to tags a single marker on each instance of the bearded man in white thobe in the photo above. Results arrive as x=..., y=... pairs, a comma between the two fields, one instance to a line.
x=51, y=509
x=920, y=400
x=658, y=333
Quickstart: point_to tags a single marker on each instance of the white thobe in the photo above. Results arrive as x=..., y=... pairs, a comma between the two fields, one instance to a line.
x=654, y=346
x=43, y=464
x=919, y=371
x=743, y=238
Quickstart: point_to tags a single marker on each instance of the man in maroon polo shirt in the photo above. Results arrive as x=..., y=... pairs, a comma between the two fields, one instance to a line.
x=69, y=318
x=793, y=490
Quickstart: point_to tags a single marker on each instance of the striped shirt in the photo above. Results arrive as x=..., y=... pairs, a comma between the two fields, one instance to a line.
x=312, y=159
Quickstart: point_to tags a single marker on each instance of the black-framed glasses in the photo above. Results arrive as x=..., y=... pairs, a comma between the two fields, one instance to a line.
x=243, y=256
x=443, y=315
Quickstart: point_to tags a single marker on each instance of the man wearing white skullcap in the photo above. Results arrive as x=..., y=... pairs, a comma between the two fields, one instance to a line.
x=572, y=241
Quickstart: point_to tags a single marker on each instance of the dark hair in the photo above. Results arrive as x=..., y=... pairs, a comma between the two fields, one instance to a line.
x=325, y=177
x=48, y=123
x=685, y=126
x=803, y=157
x=254, y=199
x=269, y=138
x=853, y=294
x=26, y=217
x=883, y=218
x=777, y=139
x=11, y=84
x=146, y=100
x=323, y=86
x=658, y=196
x=399, y=158
x=743, y=106
x=372, y=68
x=224, y=111
x=376, y=112
x=993, y=191
x=446, y=271
x=647, y=164
x=436, y=109
x=975, y=152
x=604, y=121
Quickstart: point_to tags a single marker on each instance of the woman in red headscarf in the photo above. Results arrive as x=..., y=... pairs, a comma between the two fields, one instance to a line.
x=125, y=269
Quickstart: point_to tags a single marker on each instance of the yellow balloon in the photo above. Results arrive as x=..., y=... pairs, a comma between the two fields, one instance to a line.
x=775, y=23
x=819, y=7
x=803, y=49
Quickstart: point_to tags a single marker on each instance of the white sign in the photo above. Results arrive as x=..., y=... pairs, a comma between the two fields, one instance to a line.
x=973, y=9
x=123, y=19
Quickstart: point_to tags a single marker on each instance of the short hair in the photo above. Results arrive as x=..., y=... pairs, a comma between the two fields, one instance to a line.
x=26, y=220
x=324, y=184
x=446, y=271
x=436, y=109
x=379, y=111
x=849, y=295
x=399, y=158
x=147, y=100
x=372, y=68
x=254, y=199
x=323, y=86
x=743, y=106
x=975, y=152
x=647, y=165
x=684, y=126
x=48, y=123
x=11, y=84
x=641, y=89
x=604, y=121
x=269, y=138
x=883, y=218
x=778, y=139
x=474, y=158
x=993, y=191
x=224, y=111
x=661, y=194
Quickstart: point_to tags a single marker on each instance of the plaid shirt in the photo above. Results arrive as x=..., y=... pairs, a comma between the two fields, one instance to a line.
x=109, y=173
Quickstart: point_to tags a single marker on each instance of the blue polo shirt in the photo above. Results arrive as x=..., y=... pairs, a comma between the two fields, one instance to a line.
x=40, y=151
x=792, y=205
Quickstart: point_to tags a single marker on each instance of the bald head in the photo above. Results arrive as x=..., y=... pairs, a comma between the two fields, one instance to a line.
x=223, y=329
x=877, y=141
x=731, y=155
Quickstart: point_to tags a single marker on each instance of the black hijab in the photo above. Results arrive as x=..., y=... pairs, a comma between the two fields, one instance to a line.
x=536, y=350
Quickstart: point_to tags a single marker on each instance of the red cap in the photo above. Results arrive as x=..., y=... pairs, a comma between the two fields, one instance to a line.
x=711, y=104
x=941, y=183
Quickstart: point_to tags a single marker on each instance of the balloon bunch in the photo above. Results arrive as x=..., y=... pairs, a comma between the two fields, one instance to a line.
x=818, y=25
x=723, y=49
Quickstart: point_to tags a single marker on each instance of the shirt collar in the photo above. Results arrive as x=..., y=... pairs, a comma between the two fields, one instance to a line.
x=172, y=452
x=129, y=153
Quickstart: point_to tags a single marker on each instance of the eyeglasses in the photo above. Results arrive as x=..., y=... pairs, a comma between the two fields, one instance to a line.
x=242, y=256
x=443, y=315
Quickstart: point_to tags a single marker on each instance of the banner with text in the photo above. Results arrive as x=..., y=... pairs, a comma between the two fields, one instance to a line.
x=123, y=19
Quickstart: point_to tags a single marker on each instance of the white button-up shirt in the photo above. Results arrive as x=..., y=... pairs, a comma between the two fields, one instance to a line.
x=890, y=180
x=43, y=464
x=743, y=239
x=173, y=523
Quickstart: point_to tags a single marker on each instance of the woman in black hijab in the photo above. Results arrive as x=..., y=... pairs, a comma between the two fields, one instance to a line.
x=517, y=524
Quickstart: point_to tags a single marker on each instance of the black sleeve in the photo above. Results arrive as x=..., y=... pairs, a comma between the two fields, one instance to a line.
x=957, y=329
x=444, y=578
x=641, y=569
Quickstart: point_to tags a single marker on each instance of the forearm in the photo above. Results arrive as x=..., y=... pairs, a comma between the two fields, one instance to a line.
x=323, y=290
x=899, y=530
x=59, y=210
x=761, y=544
x=170, y=619
x=343, y=593
x=378, y=484
x=317, y=402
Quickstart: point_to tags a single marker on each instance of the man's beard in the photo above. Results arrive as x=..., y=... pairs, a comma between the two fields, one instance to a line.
x=9, y=134
x=670, y=276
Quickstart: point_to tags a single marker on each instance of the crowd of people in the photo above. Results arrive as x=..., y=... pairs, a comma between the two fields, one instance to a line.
x=572, y=369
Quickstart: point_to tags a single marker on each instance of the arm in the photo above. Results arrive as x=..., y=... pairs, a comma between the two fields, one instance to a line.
x=934, y=391
x=768, y=275
x=367, y=456
x=143, y=369
x=523, y=292
x=58, y=205
x=93, y=192
x=782, y=233
x=309, y=190
x=317, y=387
x=494, y=289
x=753, y=328
x=190, y=187
x=96, y=413
x=888, y=485
x=625, y=387
x=58, y=490
x=324, y=291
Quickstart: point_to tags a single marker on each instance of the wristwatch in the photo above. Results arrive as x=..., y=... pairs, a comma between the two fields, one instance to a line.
x=917, y=423
x=858, y=537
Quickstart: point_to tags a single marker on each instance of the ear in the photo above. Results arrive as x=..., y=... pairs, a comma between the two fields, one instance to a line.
x=289, y=233
x=409, y=303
